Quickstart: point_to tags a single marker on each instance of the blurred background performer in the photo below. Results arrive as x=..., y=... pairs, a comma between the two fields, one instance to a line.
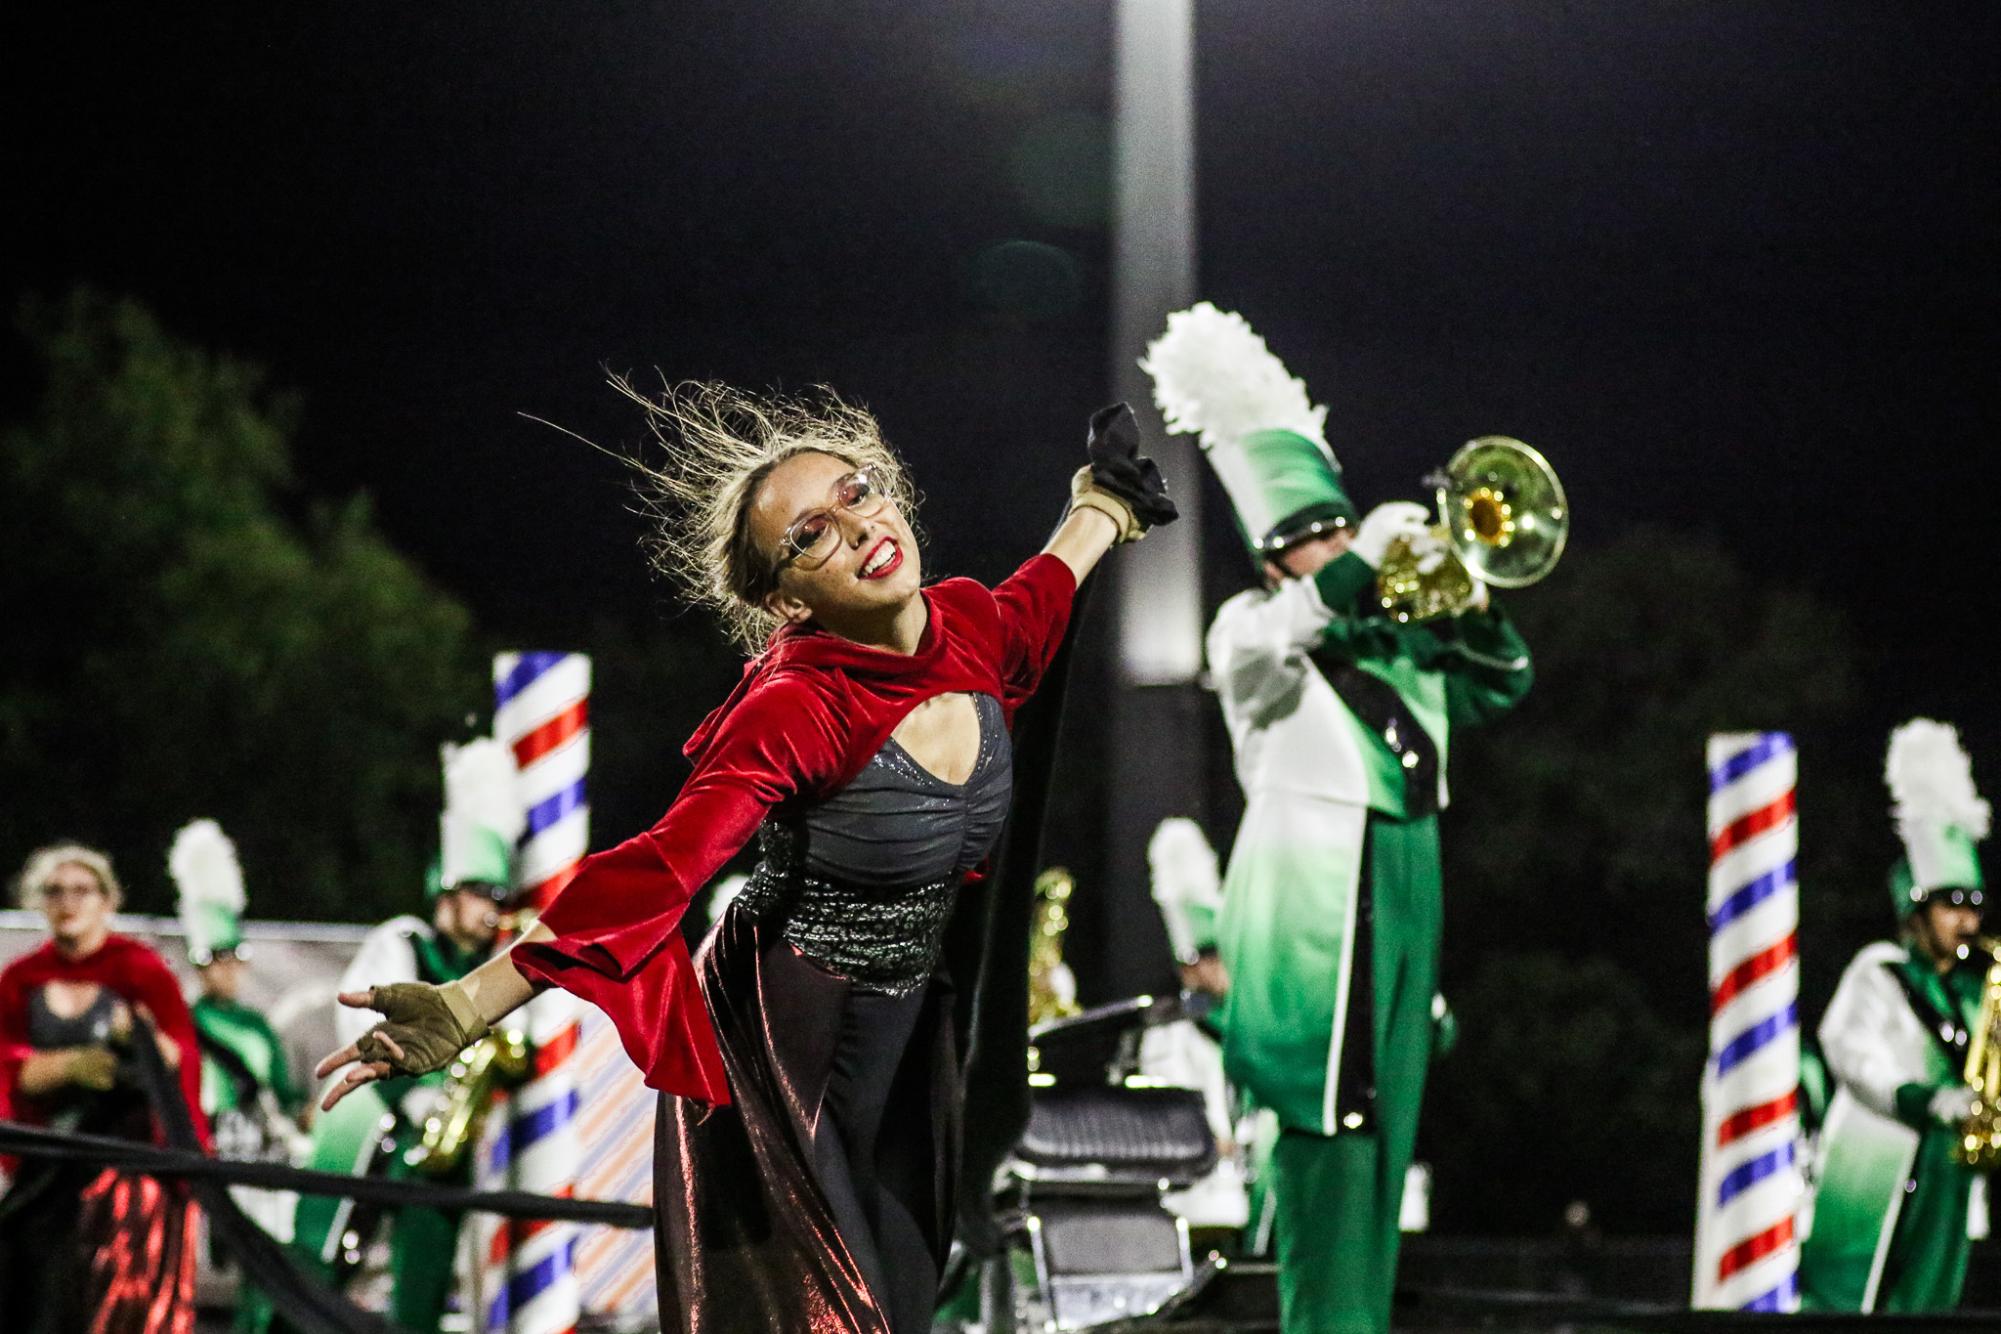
x=475, y=875
x=1891, y=1212
x=247, y=1090
x=804, y=1162
x=1187, y=886
x=82, y=1247
x=1339, y=718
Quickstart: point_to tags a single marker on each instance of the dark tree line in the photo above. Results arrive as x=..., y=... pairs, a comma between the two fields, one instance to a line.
x=188, y=634
x=1576, y=863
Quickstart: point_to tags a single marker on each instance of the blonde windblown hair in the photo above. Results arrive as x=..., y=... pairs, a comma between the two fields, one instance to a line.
x=719, y=444
x=42, y=864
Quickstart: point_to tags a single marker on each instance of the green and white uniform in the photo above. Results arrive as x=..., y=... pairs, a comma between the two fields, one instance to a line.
x=1341, y=724
x=1188, y=887
x=1893, y=1211
x=1341, y=720
x=244, y=1076
x=247, y=1089
x=1891, y=1207
x=373, y=1129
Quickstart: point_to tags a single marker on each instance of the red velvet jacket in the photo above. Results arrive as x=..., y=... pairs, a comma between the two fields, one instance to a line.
x=808, y=714
x=122, y=965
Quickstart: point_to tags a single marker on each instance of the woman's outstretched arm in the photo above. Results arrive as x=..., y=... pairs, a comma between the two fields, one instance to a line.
x=491, y=991
x=1082, y=539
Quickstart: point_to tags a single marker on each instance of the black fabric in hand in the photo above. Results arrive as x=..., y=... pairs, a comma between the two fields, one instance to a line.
x=1117, y=466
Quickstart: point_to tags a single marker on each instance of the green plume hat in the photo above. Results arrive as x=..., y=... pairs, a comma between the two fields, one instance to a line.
x=1213, y=377
x=208, y=897
x=1940, y=815
x=482, y=820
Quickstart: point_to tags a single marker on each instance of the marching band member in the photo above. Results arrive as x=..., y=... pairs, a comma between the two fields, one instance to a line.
x=474, y=877
x=1892, y=1207
x=1340, y=718
x=247, y=1087
x=1187, y=886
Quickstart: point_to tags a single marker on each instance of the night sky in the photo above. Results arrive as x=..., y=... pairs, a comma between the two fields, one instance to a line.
x=1730, y=264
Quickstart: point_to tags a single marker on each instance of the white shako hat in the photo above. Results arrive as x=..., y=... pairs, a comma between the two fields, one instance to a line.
x=1940, y=815
x=208, y=891
x=1214, y=378
x=482, y=820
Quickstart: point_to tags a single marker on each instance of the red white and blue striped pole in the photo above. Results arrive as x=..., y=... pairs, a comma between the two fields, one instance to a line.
x=541, y=712
x=1746, y=1244
x=614, y=1265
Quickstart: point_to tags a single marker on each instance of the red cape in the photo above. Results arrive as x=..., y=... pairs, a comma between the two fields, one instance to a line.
x=123, y=965
x=808, y=714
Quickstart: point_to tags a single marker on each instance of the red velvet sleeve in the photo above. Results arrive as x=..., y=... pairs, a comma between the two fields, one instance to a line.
x=1034, y=605
x=618, y=938
x=14, y=1048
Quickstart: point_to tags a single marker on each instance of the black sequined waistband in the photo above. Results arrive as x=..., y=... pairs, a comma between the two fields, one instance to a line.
x=882, y=937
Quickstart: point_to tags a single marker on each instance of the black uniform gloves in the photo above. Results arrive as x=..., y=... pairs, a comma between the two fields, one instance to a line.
x=1117, y=467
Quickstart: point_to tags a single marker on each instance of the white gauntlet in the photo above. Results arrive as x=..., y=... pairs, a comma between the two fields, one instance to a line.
x=1951, y=1104
x=1385, y=524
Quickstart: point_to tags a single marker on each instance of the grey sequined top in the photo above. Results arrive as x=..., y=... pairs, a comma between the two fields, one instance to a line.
x=863, y=882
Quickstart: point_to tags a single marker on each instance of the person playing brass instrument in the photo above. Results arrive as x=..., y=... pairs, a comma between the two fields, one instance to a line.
x=1892, y=1205
x=1339, y=715
x=472, y=879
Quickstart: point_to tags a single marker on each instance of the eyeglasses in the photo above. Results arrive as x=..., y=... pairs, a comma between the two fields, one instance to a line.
x=815, y=534
x=70, y=889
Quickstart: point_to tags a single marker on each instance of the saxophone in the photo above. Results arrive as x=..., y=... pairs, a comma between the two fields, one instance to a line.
x=1979, y=1145
x=1051, y=994
x=472, y=1082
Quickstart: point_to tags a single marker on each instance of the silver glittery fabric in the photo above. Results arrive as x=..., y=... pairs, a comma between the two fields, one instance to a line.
x=864, y=882
x=882, y=938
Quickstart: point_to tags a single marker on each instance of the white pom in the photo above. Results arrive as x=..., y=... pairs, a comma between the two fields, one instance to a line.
x=203, y=864
x=1214, y=377
x=1931, y=778
x=479, y=788
x=1183, y=864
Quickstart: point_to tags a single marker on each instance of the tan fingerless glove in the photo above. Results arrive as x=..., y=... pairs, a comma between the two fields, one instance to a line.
x=1085, y=495
x=94, y=1068
x=431, y=1025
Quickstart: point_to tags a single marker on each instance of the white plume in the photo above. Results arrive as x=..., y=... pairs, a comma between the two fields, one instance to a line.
x=479, y=788
x=1931, y=778
x=1183, y=864
x=1214, y=377
x=203, y=864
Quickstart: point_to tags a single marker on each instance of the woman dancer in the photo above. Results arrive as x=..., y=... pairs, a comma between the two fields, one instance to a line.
x=806, y=1142
x=84, y=1247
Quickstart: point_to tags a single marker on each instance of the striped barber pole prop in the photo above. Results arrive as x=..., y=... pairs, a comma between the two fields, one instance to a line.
x=541, y=712
x=614, y=1265
x=1746, y=1242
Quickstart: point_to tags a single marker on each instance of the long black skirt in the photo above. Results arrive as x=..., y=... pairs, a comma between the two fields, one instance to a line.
x=821, y=1200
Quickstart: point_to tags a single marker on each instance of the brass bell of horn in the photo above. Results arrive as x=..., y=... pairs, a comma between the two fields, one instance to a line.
x=1503, y=520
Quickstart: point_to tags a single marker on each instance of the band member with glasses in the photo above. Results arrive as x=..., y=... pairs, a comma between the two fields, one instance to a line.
x=83, y=1246
x=1892, y=1206
x=807, y=1056
x=1339, y=718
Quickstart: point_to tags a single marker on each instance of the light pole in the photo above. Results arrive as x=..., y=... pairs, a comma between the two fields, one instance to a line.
x=1157, y=762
